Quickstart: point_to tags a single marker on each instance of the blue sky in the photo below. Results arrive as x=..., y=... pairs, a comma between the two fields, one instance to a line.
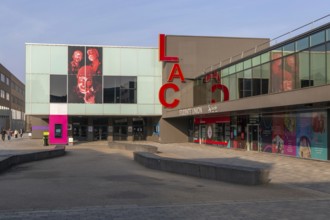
x=138, y=22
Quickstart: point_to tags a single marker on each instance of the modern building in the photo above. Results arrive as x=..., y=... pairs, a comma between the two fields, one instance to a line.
x=91, y=92
x=12, y=101
x=88, y=93
x=273, y=98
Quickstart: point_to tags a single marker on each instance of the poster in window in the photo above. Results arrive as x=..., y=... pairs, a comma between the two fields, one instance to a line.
x=85, y=75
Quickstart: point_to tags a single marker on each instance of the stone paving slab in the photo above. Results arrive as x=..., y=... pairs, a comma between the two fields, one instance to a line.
x=95, y=182
x=254, y=210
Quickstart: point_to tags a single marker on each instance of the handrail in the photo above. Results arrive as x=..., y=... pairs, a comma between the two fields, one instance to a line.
x=267, y=44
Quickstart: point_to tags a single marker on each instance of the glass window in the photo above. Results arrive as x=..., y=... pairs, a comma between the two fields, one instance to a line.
x=233, y=88
x=7, y=96
x=289, y=72
x=256, y=61
x=239, y=67
x=277, y=53
x=303, y=70
x=265, y=75
x=232, y=69
x=328, y=34
x=58, y=89
x=247, y=64
x=2, y=94
x=302, y=44
x=245, y=83
x=128, y=89
x=225, y=72
x=120, y=89
x=318, y=65
x=256, y=81
x=7, y=81
x=111, y=89
x=317, y=38
x=265, y=57
x=3, y=78
x=276, y=75
x=328, y=61
x=288, y=49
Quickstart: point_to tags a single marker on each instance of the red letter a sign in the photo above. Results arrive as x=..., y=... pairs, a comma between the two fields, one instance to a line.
x=176, y=72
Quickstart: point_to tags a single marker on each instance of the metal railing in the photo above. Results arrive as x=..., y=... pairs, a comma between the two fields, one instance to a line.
x=311, y=25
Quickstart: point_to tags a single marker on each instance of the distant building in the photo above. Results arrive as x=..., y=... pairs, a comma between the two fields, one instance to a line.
x=12, y=101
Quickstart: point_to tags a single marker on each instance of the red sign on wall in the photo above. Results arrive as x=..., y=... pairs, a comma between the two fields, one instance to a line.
x=176, y=72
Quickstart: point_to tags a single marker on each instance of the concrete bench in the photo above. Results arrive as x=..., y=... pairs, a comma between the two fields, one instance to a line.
x=222, y=172
x=133, y=147
x=8, y=161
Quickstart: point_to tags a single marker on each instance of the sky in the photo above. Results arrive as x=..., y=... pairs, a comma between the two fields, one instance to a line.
x=139, y=22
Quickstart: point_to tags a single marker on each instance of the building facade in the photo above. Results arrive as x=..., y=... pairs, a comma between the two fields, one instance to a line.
x=275, y=100
x=12, y=101
x=86, y=93
x=271, y=99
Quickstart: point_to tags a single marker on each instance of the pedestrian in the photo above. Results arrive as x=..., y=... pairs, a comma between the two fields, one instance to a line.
x=3, y=134
x=21, y=132
x=16, y=133
x=9, y=134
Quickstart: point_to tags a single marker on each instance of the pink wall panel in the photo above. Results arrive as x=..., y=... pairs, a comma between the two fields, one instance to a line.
x=62, y=120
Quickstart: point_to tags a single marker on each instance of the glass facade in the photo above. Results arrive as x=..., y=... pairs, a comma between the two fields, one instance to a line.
x=295, y=65
x=120, y=89
x=79, y=76
x=299, y=132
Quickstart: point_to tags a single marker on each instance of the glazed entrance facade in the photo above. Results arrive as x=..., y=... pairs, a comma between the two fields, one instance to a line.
x=116, y=129
x=298, y=134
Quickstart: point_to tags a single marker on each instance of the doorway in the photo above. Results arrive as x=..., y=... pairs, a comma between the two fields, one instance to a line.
x=79, y=132
x=100, y=132
x=120, y=133
x=253, y=137
x=138, y=129
x=120, y=129
x=202, y=134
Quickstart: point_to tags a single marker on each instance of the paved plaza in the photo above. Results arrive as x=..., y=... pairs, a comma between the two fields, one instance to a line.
x=93, y=181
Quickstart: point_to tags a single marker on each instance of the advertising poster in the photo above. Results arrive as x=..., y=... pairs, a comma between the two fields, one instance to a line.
x=278, y=134
x=289, y=72
x=266, y=134
x=276, y=72
x=304, y=132
x=290, y=135
x=319, y=136
x=85, y=75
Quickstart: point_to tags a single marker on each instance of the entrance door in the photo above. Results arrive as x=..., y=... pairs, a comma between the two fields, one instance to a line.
x=79, y=132
x=202, y=134
x=138, y=129
x=120, y=133
x=100, y=132
x=253, y=137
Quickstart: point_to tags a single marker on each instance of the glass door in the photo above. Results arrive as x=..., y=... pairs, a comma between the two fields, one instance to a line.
x=202, y=134
x=253, y=137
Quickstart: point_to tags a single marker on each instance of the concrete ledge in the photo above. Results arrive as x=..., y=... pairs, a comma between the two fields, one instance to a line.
x=133, y=147
x=13, y=160
x=221, y=172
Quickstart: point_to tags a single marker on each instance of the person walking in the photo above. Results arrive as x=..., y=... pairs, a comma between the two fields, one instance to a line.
x=9, y=134
x=21, y=132
x=3, y=134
